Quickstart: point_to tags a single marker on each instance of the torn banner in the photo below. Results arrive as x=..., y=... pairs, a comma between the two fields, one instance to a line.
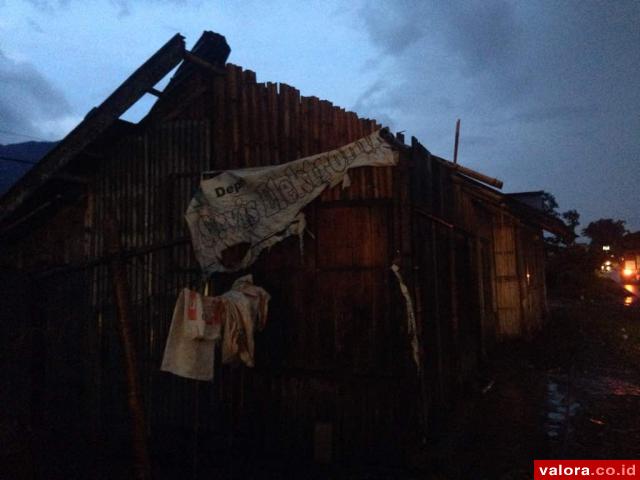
x=258, y=207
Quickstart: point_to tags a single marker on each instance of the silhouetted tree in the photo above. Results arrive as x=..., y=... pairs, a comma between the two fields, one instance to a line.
x=549, y=204
x=605, y=231
x=572, y=219
x=632, y=240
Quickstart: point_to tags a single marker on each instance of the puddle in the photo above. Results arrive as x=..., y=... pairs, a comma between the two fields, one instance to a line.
x=632, y=299
x=605, y=385
x=558, y=407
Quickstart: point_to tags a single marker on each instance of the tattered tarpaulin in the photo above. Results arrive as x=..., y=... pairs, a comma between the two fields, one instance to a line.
x=255, y=208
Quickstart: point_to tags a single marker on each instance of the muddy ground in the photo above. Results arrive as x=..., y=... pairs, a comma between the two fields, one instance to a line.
x=571, y=392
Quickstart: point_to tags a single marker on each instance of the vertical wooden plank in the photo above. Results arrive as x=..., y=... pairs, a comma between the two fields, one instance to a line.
x=253, y=145
x=304, y=127
x=122, y=297
x=232, y=117
x=132, y=165
x=295, y=137
x=353, y=120
x=335, y=140
x=314, y=110
x=272, y=106
x=284, y=118
x=263, y=126
x=245, y=78
x=219, y=116
x=325, y=142
x=207, y=154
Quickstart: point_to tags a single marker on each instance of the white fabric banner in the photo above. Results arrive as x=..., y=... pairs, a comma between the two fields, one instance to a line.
x=252, y=209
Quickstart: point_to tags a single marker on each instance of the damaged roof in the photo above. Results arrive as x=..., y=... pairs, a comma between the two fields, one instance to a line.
x=103, y=123
x=210, y=52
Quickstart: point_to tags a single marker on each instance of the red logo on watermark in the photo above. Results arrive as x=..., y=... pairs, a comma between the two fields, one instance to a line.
x=595, y=469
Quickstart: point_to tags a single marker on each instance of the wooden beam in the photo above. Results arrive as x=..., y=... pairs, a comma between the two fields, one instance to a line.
x=68, y=178
x=96, y=122
x=154, y=92
x=142, y=464
x=196, y=60
x=176, y=100
x=456, y=142
x=494, y=182
x=30, y=214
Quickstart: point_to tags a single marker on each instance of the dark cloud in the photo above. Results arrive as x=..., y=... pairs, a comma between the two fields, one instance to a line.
x=487, y=35
x=556, y=112
x=27, y=100
x=391, y=29
x=124, y=7
x=547, y=91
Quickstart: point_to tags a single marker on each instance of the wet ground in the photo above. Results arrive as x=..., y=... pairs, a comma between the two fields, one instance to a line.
x=572, y=392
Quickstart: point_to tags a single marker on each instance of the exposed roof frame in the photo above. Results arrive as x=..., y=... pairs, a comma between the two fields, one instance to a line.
x=96, y=122
x=522, y=210
x=480, y=177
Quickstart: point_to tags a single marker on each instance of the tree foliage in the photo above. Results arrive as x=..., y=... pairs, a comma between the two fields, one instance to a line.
x=549, y=204
x=570, y=217
x=605, y=231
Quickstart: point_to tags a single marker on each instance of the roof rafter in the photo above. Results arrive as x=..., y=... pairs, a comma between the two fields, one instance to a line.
x=96, y=122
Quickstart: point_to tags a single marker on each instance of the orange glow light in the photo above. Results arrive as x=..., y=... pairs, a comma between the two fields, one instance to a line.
x=632, y=289
x=627, y=272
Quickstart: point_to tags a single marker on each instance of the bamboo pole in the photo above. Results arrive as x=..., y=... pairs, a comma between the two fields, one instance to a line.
x=142, y=465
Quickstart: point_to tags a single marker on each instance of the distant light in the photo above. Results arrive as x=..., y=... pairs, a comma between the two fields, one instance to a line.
x=606, y=248
x=608, y=262
x=627, y=272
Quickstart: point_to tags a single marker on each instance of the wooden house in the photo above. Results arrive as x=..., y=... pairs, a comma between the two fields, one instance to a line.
x=334, y=379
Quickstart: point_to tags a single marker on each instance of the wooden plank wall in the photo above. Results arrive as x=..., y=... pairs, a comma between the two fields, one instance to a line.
x=447, y=283
x=471, y=259
x=507, y=278
x=531, y=252
x=334, y=351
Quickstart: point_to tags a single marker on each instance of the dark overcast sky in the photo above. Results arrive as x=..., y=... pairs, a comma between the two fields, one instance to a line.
x=547, y=91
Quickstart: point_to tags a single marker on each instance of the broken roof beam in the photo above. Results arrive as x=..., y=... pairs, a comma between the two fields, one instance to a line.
x=94, y=124
x=196, y=60
x=481, y=177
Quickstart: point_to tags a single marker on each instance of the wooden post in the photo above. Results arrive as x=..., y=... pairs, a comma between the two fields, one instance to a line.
x=142, y=466
x=455, y=145
x=409, y=199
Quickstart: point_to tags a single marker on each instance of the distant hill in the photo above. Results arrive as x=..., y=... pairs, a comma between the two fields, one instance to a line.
x=11, y=171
